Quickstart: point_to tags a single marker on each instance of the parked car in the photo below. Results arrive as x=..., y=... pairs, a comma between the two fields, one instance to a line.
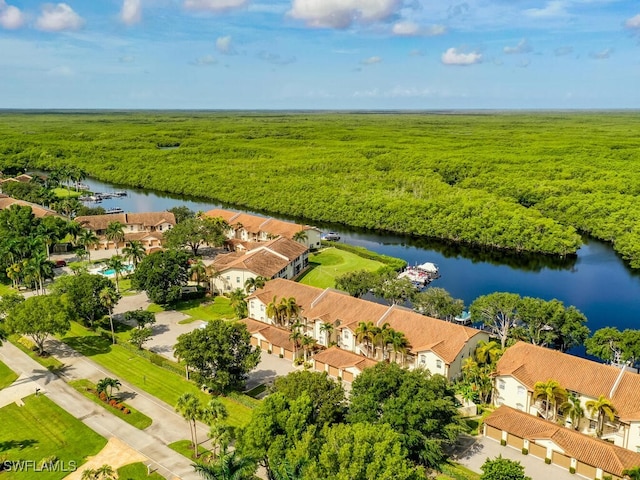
x=61, y=263
x=331, y=237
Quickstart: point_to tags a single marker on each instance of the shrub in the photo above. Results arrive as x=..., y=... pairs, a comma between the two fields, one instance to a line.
x=572, y=470
x=103, y=396
x=547, y=461
x=298, y=361
x=113, y=403
x=126, y=411
x=280, y=355
x=525, y=451
x=503, y=442
x=269, y=351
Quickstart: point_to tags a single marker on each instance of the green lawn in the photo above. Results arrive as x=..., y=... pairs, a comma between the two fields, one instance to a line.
x=39, y=430
x=453, y=471
x=6, y=288
x=125, y=287
x=139, y=371
x=184, y=447
x=135, y=418
x=62, y=192
x=137, y=471
x=200, y=309
x=7, y=376
x=329, y=263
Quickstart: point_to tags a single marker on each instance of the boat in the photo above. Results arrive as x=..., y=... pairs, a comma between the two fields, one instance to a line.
x=114, y=210
x=463, y=319
x=331, y=237
x=421, y=275
x=120, y=193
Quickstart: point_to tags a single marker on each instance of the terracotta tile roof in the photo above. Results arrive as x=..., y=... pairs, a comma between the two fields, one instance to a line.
x=589, y=450
x=266, y=260
x=255, y=224
x=332, y=306
x=339, y=358
x=38, y=210
x=530, y=364
x=142, y=236
x=278, y=337
x=147, y=220
x=24, y=178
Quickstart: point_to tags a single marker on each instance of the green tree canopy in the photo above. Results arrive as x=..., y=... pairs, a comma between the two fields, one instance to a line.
x=357, y=283
x=420, y=407
x=498, y=311
x=502, y=469
x=38, y=318
x=162, y=275
x=81, y=295
x=438, y=303
x=220, y=354
x=196, y=231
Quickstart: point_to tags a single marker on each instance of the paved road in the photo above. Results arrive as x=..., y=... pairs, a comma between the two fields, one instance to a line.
x=476, y=450
x=167, y=426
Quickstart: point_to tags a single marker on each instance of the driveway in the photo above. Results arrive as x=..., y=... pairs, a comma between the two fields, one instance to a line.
x=270, y=367
x=474, y=451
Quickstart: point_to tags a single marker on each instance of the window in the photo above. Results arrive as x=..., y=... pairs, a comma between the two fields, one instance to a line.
x=262, y=307
x=637, y=448
x=160, y=227
x=423, y=359
x=501, y=384
x=438, y=363
x=228, y=277
x=237, y=279
x=521, y=390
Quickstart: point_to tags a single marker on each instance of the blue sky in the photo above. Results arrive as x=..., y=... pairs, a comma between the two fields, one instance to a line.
x=320, y=54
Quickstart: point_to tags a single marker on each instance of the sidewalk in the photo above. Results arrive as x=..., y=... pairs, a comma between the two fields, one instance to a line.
x=167, y=425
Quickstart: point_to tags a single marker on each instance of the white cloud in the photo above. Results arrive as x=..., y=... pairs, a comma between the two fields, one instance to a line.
x=11, y=17
x=205, y=61
x=602, y=54
x=562, y=51
x=453, y=56
x=371, y=61
x=275, y=58
x=59, y=17
x=214, y=5
x=342, y=13
x=522, y=47
x=411, y=29
x=61, y=71
x=633, y=22
x=131, y=12
x=554, y=8
x=224, y=45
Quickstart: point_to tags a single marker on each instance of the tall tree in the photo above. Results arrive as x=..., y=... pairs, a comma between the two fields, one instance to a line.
x=38, y=318
x=357, y=283
x=109, y=299
x=115, y=233
x=438, y=303
x=498, y=312
x=602, y=407
x=194, y=232
x=198, y=270
x=238, y=303
x=220, y=354
x=134, y=253
x=82, y=296
x=87, y=239
x=190, y=408
x=572, y=408
x=254, y=283
x=300, y=236
x=552, y=393
x=502, y=469
x=182, y=213
x=162, y=275
x=230, y=466
x=606, y=344
x=116, y=263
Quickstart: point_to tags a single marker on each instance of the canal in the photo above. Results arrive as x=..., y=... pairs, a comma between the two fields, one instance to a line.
x=597, y=281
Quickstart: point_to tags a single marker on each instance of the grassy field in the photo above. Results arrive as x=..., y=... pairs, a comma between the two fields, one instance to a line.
x=139, y=371
x=7, y=376
x=62, y=192
x=6, y=288
x=137, y=471
x=40, y=429
x=50, y=363
x=184, y=447
x=200, y=309
x=135, y=418
x=457, y=472
x=329, y=263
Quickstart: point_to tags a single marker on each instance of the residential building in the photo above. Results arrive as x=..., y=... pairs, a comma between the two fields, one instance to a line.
x=147, y=228
x=581, y=454
x=523, y=364
x=253, y=228
x=434, y=344
x=38, y=210
x=279, y=258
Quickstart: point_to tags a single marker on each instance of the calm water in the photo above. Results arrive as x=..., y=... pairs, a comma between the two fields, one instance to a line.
x=597, y=282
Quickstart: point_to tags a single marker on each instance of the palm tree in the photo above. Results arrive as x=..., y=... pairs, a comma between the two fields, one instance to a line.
x=230, y=466
x=308, y=343
x=220, y=435
x=488, y=352
x=87, y=238
x=275, y=311
x=135, y=252
x=551, y=392
x=40, y=268
x=105, y=472
x=102, y=386
x=252, y=284
x=295, y=337
x=573, y=409
x=632, y=473
x=115, y=233
x=198, y=270
x=109, y=298
x=327, y=329
x=116, y=263
x=602, y=407
x=189, y=407
x=300, y=236
x=237, y=301
x=77, y=175
x=113, y=383
x=399, y=344
x=213, y=411
x=381, y=338
x=364, y=333
x=290, y=308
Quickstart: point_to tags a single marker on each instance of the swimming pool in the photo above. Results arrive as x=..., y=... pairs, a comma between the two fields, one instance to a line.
x=111, y=271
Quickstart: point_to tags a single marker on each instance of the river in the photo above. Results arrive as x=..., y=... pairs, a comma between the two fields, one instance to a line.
x=597, y=281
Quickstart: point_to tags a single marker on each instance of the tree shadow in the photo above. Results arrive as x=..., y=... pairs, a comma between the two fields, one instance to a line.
x=88, y=346
x=123, y=396
x=17, y=444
